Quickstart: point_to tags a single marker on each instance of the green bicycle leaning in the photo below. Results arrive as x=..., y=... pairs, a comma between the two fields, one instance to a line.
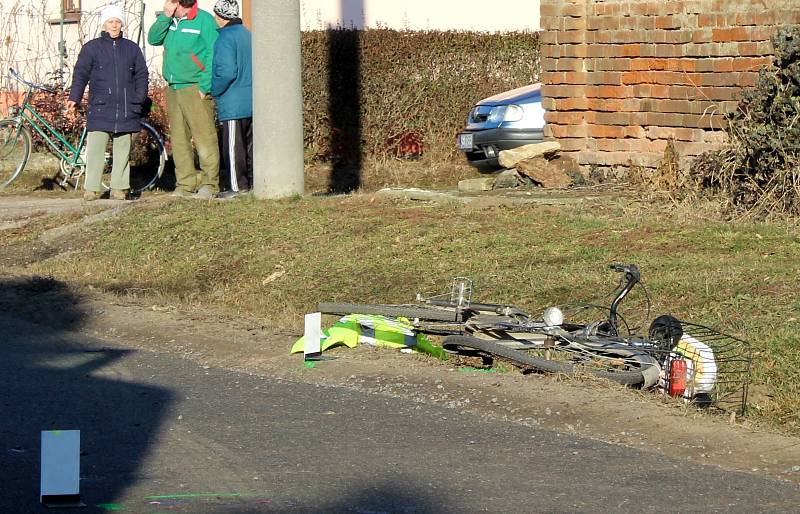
x=147, y=160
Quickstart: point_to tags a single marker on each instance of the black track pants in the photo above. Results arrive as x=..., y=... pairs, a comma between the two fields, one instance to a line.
x=236, y=172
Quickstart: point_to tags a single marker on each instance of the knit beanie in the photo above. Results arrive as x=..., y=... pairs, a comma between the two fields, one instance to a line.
x=109, y=12
x=227, y=9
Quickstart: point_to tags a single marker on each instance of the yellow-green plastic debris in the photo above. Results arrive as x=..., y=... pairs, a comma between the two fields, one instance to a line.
x=355, y=329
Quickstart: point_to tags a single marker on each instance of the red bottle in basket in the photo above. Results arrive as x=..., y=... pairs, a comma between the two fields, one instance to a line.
x=677, y=377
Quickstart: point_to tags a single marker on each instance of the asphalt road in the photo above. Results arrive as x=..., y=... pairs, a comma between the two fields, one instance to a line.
x=162, y=434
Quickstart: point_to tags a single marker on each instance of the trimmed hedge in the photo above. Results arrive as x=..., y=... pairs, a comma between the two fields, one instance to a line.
x=385, y=93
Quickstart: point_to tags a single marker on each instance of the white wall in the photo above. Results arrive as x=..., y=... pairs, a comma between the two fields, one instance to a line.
x=477, y=15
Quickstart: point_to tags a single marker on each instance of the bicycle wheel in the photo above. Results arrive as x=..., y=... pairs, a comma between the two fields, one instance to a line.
x=550, y=359
x=147, y=160
x=391, y=311
x=15, y=149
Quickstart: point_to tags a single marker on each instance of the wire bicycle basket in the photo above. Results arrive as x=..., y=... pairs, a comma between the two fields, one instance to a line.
x=718, y=368
x=727, y=363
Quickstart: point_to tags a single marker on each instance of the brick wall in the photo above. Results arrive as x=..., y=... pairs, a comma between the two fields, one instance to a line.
x=623, y=77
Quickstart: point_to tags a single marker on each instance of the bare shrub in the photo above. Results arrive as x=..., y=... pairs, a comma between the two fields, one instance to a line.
x=758, y=170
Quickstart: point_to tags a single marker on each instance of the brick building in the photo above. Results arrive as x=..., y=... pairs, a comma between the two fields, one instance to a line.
x=623, y=77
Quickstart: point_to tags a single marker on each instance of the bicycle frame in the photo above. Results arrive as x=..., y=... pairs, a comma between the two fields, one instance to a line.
x=47, y=132
x=147, y=163
x=68, y=153
x=631, y=277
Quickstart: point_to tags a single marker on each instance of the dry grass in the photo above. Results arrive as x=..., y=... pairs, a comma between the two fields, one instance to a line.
x=428, y=172
x=36, y=223
x=38, y=172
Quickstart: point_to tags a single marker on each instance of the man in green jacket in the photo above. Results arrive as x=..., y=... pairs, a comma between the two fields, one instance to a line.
x=188, y=35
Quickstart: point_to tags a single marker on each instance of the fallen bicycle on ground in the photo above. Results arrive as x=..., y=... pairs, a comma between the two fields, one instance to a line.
x=688, y=360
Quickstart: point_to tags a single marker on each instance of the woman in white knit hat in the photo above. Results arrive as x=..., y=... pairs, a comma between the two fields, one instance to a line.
x=116, y=72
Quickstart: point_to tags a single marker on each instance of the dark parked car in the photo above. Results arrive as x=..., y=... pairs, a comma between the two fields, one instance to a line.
x=502, y=122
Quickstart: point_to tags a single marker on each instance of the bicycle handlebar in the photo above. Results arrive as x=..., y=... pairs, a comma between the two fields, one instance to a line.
x=16, y=76
x=632, y=276
x=631, y=271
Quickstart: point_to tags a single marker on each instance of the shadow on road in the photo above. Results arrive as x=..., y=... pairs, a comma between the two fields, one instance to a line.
x=54, y=378
x=391, y=497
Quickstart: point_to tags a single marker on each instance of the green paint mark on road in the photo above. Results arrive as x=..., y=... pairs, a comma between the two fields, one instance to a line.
x=194, y=495
x=467, y=369
x=310, y=364
x=109, y=506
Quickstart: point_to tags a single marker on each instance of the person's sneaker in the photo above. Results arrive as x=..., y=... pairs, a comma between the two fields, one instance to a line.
x=119, y=194
x=91, y=196
x=227, y=195
x=204, y=193
x=180, y=193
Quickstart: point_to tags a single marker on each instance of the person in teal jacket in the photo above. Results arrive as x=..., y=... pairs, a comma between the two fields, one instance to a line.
x=232, y=89
x=188, y=34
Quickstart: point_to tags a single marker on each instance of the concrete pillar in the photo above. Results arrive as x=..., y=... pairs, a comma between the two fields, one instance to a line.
x=277, y=101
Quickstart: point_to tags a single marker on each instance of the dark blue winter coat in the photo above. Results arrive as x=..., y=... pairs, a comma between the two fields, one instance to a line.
x=117, y=76
x=232, y=72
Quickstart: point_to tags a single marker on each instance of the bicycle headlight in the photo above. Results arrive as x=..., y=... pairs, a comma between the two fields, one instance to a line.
x=553, y=317
x=12, y=111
